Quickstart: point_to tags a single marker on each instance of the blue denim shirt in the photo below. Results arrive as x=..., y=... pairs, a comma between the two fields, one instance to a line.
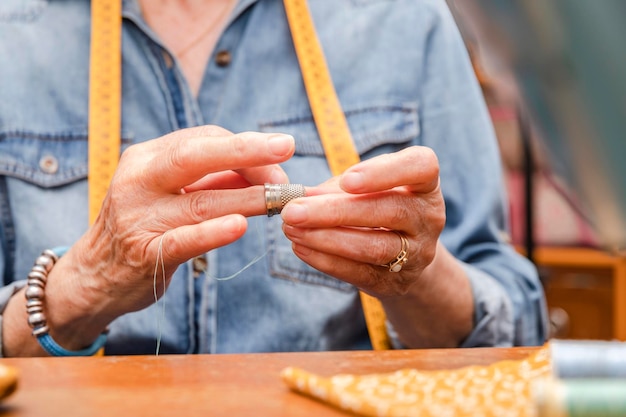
x=403, y=78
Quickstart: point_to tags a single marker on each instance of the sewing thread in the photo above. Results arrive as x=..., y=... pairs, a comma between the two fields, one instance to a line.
x=159, y=259
x=160, y=318
x=588, y=358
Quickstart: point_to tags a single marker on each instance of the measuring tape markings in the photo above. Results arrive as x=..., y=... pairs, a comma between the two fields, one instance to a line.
x=104, y=99
x=105, y=75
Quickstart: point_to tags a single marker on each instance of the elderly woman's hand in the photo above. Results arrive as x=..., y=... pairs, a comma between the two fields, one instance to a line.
x=354, y=228
x=350, y=227
x=191, y=188
x=182, y=194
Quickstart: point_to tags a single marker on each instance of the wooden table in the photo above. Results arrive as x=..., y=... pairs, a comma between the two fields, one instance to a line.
x=206, y=385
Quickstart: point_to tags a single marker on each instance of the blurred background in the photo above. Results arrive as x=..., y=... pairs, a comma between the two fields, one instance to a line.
x=554, y=78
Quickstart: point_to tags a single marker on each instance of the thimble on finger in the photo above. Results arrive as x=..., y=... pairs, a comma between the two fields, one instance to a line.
x=277, y=195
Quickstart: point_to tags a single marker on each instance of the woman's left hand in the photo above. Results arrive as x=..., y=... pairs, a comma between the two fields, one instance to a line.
x=350, y=228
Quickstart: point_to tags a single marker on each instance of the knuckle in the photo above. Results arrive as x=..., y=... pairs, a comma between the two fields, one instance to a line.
x=132, y=162
x=195, y=132
x=397, y=212
x=175, y=157
x=129, y=153
x=436, y=219
x=424, y=253
x=334, y=209
x=199, y=206
x=212, y=130
x=387, y=250
x=171, y=249
x=239, y=143
x=138, y=153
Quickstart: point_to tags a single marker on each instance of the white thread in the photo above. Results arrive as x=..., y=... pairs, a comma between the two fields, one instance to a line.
x=160, y=319
x=159, y=258
x=252, y=262
x=248, y=265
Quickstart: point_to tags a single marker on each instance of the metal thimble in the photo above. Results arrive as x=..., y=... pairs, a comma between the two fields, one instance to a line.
x=277, y=195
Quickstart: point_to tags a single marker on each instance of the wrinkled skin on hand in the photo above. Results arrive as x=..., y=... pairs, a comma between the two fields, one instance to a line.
x=193, y=189
x=343, y=226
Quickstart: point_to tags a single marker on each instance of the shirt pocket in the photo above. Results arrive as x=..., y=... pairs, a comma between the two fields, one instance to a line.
x=381, y=127
x=384, y=125
x=44, y=159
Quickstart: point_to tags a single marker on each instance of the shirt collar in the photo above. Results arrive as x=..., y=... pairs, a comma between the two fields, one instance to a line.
x=131, y=9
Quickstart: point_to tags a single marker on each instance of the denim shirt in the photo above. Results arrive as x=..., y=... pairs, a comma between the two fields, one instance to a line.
x=403, y=78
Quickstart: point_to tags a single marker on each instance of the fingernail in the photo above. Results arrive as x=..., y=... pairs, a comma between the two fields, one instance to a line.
x=294, y=213
x=280, y=144
x=353, y=181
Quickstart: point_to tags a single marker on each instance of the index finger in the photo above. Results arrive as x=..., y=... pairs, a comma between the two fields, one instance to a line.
x=181, y=158
x=415, y=168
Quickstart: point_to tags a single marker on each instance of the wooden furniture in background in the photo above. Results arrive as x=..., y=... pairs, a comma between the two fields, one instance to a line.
x=585, y=290
x=207, y=385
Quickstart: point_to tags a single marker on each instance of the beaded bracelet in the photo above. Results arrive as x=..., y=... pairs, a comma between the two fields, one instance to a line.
x=35, y=294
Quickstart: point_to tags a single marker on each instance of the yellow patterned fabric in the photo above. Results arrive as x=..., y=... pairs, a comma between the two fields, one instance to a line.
x=502, y=389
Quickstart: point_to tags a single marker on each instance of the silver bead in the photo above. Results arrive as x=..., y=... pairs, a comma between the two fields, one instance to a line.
x=51, y=255
x=40, y=269
x=37, y=331
x=36, y=320
x=34, y=292
x=34, y=309
x=35, y=282
x=38, y=275
x=45, y=261
x=33, y=303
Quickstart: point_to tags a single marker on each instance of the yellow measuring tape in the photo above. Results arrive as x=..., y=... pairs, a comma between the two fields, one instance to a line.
x=105, y=114
x=104, y=99
x=333, y=130
x=105, y=104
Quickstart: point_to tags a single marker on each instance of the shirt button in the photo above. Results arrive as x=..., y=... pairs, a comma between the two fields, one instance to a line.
x=223, y=58
x=49, y=164
x=199, y=265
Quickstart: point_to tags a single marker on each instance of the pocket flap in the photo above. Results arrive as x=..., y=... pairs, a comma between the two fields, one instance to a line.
x=47, y=160
x=371, y=125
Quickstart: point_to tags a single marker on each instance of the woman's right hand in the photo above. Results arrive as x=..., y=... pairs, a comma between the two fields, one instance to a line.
x=188, y=191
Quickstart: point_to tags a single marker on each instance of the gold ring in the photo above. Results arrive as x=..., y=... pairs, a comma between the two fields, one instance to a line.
x=277, y=195
x=402, y=257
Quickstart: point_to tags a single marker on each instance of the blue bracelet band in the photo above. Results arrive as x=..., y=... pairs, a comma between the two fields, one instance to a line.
x=50, y=346
x=60, y=250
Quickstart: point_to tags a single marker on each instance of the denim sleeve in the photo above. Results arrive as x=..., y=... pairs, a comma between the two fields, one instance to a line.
x=493, y=312
x=507, y=290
